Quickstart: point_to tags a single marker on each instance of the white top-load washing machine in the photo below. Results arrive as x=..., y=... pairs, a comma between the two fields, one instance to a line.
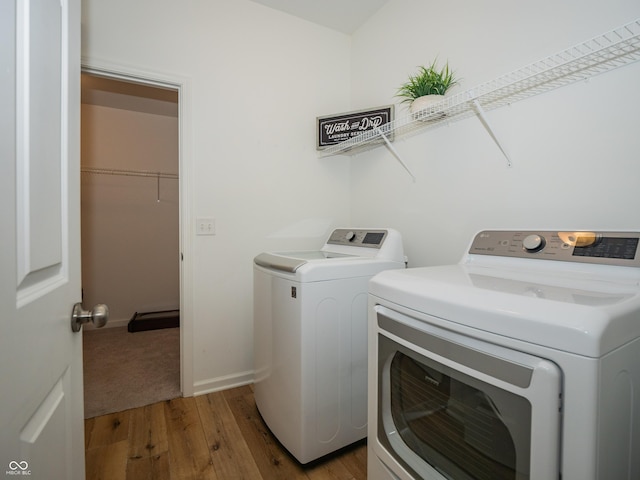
x=520, y=362
x=310, y=336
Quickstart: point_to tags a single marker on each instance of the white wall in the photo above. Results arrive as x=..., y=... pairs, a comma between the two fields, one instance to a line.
x=257, y=79
x=574, y=150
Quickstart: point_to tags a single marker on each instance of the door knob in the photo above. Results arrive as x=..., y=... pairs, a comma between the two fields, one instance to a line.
x=98, y=316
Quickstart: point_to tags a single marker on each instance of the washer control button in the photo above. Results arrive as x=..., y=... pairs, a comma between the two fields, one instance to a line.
x=533, y=243
x=350, y=236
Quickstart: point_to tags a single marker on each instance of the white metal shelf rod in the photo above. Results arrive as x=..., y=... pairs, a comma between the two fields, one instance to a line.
x=129, y=173
x=490, y=129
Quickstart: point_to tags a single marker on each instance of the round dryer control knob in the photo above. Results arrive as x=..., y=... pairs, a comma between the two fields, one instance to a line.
x=350, y=236
x=533, y=243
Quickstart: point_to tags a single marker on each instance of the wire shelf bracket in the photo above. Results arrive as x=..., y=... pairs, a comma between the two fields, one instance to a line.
x=487, y=125
x=395, y=153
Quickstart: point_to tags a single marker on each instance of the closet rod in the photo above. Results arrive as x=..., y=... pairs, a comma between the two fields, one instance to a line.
x=129, y=173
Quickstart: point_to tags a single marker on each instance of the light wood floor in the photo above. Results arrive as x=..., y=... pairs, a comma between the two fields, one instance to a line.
x=215, y=436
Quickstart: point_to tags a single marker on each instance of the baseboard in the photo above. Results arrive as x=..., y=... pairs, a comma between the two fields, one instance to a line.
x=222, y=383
x=143, y=321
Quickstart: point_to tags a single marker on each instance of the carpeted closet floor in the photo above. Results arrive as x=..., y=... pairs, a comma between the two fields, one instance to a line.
x=125, y=370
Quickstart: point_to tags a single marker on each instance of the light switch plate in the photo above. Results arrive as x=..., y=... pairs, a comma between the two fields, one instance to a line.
x=205, y=226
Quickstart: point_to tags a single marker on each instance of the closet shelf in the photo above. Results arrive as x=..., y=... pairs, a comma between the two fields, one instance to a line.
x=129, y=173
x=132, y=173
x=606, y=52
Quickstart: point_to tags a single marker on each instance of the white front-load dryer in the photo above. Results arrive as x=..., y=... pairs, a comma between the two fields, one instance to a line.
x=522, y=361
x=310, y=338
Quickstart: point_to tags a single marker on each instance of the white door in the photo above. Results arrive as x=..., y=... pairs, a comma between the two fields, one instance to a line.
x=41, y=399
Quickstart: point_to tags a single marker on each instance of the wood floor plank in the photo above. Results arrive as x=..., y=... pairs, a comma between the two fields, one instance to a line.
x=273, y=461
x=108, y=429
x=148, y=431
x=231, y=456
x=342, y=465
x=88, y=426
x=232, y=393
x=107, y=462
x=154, y=467
x=190, y=458
x=356, y=459
x=332, y=469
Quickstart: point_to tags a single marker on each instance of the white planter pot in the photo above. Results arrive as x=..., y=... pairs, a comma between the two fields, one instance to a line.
x=425, y=106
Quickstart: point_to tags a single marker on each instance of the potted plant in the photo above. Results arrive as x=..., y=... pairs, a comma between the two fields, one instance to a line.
x=427, y=87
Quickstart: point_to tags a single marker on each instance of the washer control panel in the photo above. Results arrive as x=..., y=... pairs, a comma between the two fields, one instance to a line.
x=608, y=248
x=358, y=238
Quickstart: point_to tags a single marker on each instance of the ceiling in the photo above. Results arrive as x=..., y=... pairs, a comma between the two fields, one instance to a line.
x=342, y=15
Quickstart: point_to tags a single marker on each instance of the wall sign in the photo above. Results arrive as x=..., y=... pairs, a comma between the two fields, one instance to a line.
x=334, y=129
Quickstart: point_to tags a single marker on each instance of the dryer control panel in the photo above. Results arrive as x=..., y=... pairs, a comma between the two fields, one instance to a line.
x=607, y=248
x=358, y=238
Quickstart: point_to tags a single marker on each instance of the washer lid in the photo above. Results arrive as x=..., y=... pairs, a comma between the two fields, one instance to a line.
x=291, y=261
x=570, y=311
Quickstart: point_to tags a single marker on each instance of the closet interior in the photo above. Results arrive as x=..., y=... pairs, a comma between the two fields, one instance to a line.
x=130, y=202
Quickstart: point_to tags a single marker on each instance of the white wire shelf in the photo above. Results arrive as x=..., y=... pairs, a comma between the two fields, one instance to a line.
x=601, y=54
x=132, y=173
x=128, y=173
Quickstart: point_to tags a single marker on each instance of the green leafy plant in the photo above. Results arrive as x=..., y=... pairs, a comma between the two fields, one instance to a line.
x=428, y=81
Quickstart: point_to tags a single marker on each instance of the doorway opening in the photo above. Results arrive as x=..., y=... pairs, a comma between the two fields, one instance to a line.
x=131, y=252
